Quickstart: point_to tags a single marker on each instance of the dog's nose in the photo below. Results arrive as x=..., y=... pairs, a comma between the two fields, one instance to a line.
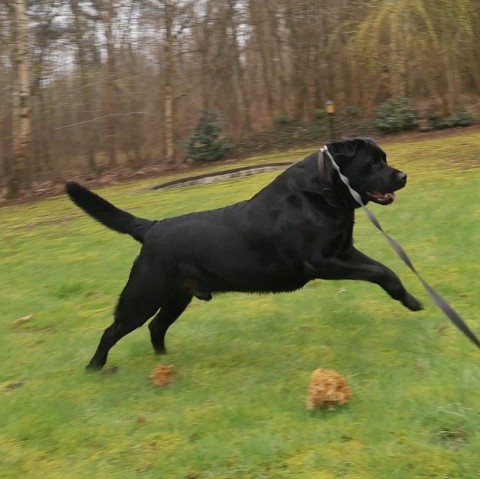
x=401, y=177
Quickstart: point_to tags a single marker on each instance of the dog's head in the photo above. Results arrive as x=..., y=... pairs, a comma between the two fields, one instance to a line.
x=364, y=163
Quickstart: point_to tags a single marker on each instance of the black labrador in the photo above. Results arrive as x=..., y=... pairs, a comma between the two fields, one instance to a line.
x=296, y=229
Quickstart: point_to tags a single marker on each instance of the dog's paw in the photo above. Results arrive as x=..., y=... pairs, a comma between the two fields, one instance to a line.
x=412, y=303
x=92, y=367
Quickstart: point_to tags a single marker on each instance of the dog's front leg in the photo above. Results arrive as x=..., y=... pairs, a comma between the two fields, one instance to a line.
x=358, y=266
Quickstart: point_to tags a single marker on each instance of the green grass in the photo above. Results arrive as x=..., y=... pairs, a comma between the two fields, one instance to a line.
x=237, y=408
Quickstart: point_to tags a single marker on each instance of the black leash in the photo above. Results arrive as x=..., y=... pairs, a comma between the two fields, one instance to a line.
x=439, y=301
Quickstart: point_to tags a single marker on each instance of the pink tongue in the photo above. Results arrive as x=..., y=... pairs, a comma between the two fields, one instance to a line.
x=393, y=196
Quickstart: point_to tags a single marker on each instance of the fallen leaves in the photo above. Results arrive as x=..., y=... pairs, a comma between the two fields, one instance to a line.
x=327, y=389
x=163, y=375
x=21, y=321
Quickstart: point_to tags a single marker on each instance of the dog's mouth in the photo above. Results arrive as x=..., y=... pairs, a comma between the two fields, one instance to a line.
x=382, y=198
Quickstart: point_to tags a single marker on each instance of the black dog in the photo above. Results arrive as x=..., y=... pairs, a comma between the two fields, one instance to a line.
x=297, y=228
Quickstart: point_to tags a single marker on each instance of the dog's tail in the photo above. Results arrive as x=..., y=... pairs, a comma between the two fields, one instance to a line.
x=106, y=213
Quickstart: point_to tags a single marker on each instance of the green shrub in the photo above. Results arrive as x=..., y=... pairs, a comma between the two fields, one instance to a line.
x=434, y=120
x=353, y=112
x=205, y=144
x=282, y=120
x=394, y=115
x=461, y=117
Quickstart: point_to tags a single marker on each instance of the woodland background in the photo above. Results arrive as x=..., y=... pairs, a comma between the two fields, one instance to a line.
x=89, y=86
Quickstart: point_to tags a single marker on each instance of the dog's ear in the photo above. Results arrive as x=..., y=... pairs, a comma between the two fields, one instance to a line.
x=345, y=150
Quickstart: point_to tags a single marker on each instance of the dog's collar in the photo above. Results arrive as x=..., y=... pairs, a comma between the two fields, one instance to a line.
x=322, y=168
x=327, y=185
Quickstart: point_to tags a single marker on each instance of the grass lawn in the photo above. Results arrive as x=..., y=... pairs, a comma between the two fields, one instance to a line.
x=237, y=407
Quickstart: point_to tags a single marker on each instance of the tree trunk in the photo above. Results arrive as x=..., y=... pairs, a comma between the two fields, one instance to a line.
x=85, y=87
x=239, y=77
x=263, y=41
x=110, y=91
x=168, y=85
x=22, y=103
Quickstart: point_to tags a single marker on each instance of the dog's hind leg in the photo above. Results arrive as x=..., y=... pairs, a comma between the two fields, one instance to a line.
x=137, y=303
x=172, y=307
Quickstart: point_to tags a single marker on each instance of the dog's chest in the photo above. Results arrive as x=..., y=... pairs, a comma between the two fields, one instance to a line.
x=342, y=241
x=338, y=238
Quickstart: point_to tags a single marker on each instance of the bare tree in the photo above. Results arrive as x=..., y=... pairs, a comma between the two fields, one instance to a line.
x=169, y=67
x=107, y=13
x=22, y=102
x=86, y=91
